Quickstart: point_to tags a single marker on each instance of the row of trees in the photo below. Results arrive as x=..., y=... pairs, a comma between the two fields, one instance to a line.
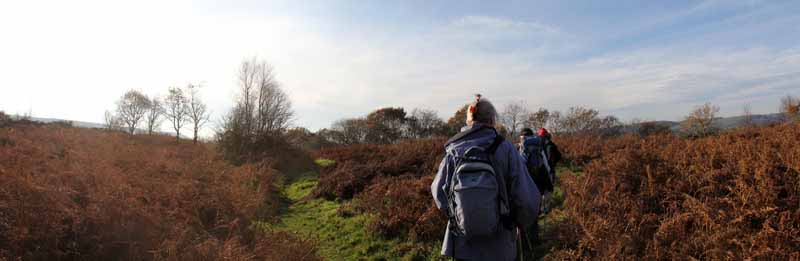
x=389, y=125
x=515, y=116
x=386, y=125
x=260, y=117
x=181, y=107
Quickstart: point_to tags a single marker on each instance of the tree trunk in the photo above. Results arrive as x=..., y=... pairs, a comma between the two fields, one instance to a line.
x=195, y=136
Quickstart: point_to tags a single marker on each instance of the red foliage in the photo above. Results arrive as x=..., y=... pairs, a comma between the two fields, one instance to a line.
x=733, y=196
x=69, y=193
x=390, y=181
x=357, y=165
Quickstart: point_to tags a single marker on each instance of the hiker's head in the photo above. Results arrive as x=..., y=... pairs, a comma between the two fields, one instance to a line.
x=544, y=133
x=526, y=132
x=481, y=111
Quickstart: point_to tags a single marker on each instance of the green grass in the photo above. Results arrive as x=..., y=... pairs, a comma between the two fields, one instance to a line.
x=340, y=236
x=324, y=162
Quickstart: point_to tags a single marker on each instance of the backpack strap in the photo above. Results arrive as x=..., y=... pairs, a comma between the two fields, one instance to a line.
x=505, y=209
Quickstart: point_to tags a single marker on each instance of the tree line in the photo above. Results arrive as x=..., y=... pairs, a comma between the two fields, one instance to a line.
x=181, y=107
x=261, y=118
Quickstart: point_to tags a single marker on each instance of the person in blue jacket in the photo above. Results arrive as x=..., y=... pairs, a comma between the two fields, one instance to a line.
x=522, y=196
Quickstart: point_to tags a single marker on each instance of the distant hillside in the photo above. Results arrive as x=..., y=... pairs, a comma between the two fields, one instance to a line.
x=726, y=123
x=81, y=124
x=90, y=125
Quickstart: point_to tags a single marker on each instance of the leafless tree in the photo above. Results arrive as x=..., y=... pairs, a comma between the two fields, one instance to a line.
x=425, y=123
x=260, y=116
x=700, y=122
x=154, y=115
x=198, y=111
x=555, y=122
x=131, y=109
x=610, y=126
x=513, y=117
x=350, y=131
x=111, y=121
x=790, y=107
x=176, y=110
x=538, y=119
x=747, y=116
x=265, y=106
x=580, y=119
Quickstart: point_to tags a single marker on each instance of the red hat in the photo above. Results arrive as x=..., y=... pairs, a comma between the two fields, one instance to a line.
x=543, y=132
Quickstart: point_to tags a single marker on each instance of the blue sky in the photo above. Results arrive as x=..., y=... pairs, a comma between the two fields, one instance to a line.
x=336, y=59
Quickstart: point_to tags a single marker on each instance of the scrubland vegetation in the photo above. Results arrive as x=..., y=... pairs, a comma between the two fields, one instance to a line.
x=731, y=196
x=82, y=194
x=264, y=189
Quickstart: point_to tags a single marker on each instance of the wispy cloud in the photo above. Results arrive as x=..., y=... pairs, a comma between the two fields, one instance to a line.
x=656, y=70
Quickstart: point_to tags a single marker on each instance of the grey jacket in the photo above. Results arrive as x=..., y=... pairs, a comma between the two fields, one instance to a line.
x=523, y=196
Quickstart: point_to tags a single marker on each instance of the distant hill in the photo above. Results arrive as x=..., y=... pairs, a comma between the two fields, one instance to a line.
x=81, y=124
x=89, y=125
x=726, y=123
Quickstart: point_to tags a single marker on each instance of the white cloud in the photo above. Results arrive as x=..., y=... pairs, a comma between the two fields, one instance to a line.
x=92, y=52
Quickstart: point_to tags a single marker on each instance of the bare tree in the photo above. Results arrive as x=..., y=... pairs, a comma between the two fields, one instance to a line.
x=153, y=117
x=790, y=107
x=111, y=121
x=176, y=110
x=700, y=122
x=513, y=116
x=747, y=116
x=538, y=119
x=580, y=119
x=131, y=108
x=260, y=116
x=555, y=122
x=425, y=123
x=350, y=131
x=264, y=106
x=198, y=111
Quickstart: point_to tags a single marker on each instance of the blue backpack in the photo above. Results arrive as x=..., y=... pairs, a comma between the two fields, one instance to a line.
x=477, y=197
x=532, y=150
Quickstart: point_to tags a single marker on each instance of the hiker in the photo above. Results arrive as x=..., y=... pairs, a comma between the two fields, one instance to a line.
x=531, y=149
x=551, y=152
x=485, y=190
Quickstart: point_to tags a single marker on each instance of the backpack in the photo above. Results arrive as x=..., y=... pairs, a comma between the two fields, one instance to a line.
x=532, y=150
x=554, y=155
x=477, y=196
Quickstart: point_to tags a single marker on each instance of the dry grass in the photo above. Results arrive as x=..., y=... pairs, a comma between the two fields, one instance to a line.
x=389, y=181
x=80, y=194
x=732, y=196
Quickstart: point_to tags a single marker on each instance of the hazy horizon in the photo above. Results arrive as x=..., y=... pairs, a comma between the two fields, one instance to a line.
x=338, y=59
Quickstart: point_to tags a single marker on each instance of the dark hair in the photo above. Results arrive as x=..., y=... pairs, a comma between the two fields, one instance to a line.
x=527, y=132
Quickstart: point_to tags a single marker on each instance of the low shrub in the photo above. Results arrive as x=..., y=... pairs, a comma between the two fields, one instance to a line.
x=82, y=194
x=389, y=181
x=732, y=196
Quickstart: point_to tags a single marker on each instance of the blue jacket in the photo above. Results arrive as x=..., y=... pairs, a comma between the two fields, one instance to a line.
x=523, y=197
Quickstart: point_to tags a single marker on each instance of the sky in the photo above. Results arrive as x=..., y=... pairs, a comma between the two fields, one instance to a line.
x=650, y=60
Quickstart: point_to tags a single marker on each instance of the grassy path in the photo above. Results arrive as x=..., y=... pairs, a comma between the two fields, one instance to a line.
x=339, y=236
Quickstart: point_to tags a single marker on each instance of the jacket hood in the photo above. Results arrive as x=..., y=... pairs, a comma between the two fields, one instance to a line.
x=471, y=136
